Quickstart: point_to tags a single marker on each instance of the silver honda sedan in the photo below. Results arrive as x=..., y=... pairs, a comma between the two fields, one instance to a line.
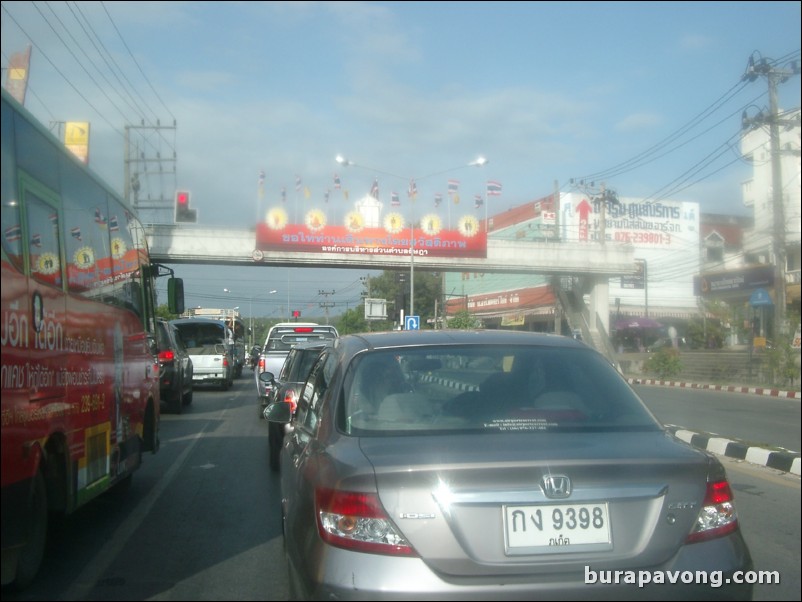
x=495, y=465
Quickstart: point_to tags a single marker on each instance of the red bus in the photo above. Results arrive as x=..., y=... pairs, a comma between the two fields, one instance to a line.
x=80, y=390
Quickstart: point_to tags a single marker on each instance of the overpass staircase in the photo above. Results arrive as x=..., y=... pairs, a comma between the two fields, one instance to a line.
x=571, y=299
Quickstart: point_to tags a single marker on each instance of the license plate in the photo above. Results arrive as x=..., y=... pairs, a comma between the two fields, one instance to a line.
x=557, y=528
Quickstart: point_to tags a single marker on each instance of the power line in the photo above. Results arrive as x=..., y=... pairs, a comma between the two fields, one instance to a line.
x=108, y=59
x=77, y=91
x=639, y=159
x=131, y=54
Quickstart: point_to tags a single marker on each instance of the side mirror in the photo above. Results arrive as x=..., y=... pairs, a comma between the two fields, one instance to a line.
x=278, y=411
x=175, y=295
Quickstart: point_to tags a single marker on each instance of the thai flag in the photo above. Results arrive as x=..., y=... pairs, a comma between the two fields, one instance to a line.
x=113, y=225
x=438, y=198
x=477, y=201
x=412, y=192
x=493, y=188
x=99, y=219
x=326, y=197
x=374, y=190
x=76, y=233
x=36, y=240
x=394, y=200
x=54, y=219
x=453, y=186
x=14, y=233
x=336, y=182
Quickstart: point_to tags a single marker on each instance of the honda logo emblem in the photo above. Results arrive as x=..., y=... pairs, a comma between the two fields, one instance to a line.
x=556, y=486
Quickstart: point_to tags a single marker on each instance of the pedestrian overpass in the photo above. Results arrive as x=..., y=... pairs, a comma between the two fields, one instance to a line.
x=593, y=262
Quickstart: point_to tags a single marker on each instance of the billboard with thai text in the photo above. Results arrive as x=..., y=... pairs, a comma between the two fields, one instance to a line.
x=393, y=235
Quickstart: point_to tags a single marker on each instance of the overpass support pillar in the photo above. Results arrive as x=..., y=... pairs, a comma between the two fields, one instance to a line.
x=600, y=303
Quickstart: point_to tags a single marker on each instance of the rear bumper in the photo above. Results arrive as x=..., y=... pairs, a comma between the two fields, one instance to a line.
x=704, y=571
x=206, y=377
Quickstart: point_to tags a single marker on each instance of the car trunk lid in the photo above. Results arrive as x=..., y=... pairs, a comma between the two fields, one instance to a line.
x=553, y=502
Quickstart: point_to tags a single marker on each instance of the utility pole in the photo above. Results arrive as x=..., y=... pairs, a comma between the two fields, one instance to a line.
x=774, y=76
x=603, y=225
x=326, y=304
x=366, y=295
x=141, y=167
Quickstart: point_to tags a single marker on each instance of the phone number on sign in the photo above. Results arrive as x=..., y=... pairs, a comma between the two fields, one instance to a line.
x=652, y=238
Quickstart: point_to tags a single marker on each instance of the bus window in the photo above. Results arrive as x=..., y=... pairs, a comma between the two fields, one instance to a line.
x=12, y=227
x=43, y=244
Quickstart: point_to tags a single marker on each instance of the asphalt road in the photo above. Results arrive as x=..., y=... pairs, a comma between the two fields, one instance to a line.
x=202, y=522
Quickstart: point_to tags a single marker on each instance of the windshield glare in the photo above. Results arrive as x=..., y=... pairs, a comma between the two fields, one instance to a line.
x=488, y=388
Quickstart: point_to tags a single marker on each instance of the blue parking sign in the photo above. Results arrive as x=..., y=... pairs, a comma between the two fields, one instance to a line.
x=412, y=323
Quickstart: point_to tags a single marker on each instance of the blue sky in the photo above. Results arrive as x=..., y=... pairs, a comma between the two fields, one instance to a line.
x=547, y=91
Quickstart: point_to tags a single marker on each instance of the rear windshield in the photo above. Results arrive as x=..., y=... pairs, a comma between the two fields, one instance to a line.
x=284, y=341
x=202, y=335
x=487, y=388
x=163, y=337
x=299, y=368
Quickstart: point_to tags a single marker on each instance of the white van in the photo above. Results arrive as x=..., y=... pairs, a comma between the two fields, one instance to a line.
x=280, y=339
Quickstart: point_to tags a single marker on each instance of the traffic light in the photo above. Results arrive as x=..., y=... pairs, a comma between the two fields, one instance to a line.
x=182, y=211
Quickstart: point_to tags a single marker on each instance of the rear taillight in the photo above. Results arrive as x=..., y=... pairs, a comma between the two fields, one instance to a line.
x=717, y=516
x=165, y=357
x=261, y=364
x=291, y=397
x=357, y=521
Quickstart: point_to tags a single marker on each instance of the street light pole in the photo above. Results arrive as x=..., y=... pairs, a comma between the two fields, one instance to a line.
x=412, y=266
x=479, y=162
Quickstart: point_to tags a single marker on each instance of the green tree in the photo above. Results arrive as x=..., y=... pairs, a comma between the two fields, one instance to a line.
x=352, y=321
x=394, y=287
x=163, y=311
x=783, y=359
x=463, y=320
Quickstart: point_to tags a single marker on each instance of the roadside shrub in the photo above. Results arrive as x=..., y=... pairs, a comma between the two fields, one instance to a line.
x=783, y=361
x=664, y=364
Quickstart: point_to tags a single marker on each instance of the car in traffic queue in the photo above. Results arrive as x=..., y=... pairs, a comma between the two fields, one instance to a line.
x=280, y=339
x=209, y=345
x=455, y=464
x=175, y=368
x=285, y=388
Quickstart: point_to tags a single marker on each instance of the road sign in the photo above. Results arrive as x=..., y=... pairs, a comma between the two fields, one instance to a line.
x=412, y=323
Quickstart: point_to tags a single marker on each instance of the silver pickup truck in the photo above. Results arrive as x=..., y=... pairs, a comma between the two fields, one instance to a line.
x=280, y=339
x=209, y=345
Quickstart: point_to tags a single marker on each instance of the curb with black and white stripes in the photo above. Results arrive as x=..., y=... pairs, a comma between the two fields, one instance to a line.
x=779, y=459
